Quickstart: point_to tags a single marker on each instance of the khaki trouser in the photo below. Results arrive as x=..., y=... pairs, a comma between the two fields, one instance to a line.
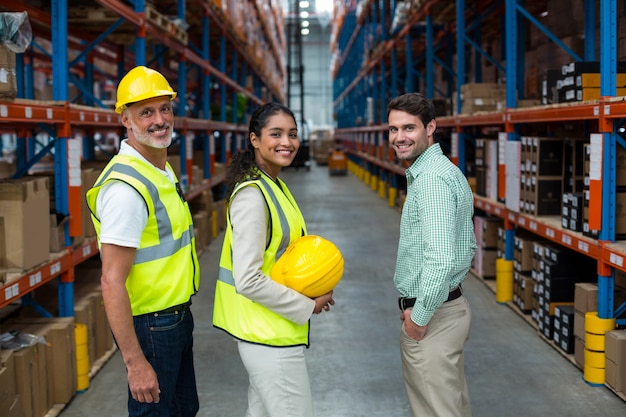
x=433, y=368
x=279, y=381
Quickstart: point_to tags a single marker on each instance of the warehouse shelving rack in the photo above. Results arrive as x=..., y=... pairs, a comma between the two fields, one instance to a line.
x=355, y=81
x=118, y=33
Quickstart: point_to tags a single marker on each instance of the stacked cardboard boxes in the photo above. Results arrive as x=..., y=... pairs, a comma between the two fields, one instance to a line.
x=482, y=97
x=578, y=81
x=523, y=284
x=585, y=300
x=8, y=84
x=573, y=159
x=563, y=334
x=486, y=166
x=25, y=210
x=52, y=363
x=615, y=353
x=486, y=231
x=572, y=211
x=10, y=401
x=541, y=182
x=555, y=273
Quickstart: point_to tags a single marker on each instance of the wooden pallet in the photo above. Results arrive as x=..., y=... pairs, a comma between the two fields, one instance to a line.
x=164, y=23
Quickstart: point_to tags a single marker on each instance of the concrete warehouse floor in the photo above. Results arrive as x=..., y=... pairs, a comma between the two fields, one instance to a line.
x=354, y=360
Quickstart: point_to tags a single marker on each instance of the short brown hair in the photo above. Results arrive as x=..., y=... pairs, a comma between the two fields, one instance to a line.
x=413, y=103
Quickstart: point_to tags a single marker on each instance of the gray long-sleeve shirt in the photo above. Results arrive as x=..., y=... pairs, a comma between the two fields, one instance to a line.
x=249, y=218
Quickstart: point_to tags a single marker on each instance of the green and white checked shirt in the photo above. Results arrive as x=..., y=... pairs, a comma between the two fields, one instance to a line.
x=437, y=241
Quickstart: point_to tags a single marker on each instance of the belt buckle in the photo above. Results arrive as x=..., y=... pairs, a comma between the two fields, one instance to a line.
x=401, y=304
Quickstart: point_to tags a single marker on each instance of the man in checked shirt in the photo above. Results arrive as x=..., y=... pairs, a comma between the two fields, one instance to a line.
x=435, y=252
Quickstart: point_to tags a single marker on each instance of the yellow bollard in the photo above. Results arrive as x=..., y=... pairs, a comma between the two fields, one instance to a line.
x=595, y=361
x=374, y=182
x=393, y=193
x=382, y=188
x=214, y=223
x=82, y=357
x=504, y=280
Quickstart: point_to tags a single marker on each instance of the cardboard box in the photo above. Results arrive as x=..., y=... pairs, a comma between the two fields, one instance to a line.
x=615, y=346
x=57, y=232
x=88, y=178
x=546, y=156
x=586, y=297
x=523, y=254
x=202, y=222
x=90, y=305
x=544, y=195
x=8, y=84
x=3, y=248
x=579, y=352
x=8, y=392
x=60, y=352
x=615, y=376
x=30, y=377
x=104, y=337
x=7, y=372
x=486, y=231
x=615, y=353
x=25, y=206
x=485, y=262
x=85, y=312
x=579, y=324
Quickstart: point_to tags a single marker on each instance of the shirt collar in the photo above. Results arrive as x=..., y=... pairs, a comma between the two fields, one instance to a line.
x=422, y=161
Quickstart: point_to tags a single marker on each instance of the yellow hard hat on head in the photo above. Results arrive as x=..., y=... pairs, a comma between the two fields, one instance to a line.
x=141, y=83
x=311, y=265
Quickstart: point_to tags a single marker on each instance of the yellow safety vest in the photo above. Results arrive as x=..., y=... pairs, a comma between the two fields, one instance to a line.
x=238, y=315
x=166, y=272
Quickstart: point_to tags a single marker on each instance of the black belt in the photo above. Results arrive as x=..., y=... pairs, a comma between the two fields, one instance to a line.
x=408, y=302
x=174, y=309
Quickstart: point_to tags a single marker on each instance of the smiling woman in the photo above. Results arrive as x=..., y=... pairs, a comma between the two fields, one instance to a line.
x=269, y=320
x=277, y=145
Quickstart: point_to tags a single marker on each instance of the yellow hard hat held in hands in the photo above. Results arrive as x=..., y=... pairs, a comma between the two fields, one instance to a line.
x=310, y=265
x=141, y=83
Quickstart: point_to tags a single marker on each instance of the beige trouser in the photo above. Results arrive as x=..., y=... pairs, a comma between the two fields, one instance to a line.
x=433, y=368
x=279, y=381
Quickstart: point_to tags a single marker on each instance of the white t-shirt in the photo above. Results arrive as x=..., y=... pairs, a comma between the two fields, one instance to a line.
x=122, y=210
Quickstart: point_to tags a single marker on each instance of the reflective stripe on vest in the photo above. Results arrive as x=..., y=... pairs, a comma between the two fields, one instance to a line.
x=168, y=245
x=236, y=314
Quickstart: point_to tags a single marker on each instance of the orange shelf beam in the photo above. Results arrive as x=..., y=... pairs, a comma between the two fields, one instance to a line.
x=567, y=238
x=206, y=185
x=34, y=278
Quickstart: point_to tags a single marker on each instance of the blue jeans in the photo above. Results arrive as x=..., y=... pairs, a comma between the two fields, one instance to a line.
x=167, y=342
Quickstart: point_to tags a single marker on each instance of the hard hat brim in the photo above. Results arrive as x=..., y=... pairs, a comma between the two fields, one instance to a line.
x=120, y=107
